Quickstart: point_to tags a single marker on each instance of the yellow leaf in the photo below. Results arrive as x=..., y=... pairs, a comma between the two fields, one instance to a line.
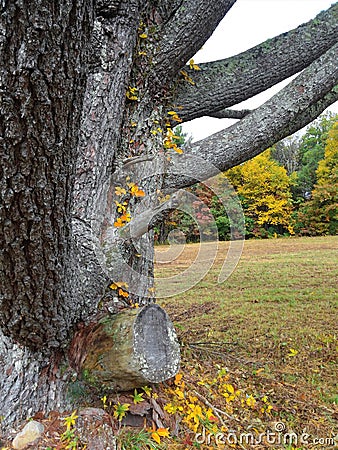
x=136, y=191
x=178, y=150
x=250, y=401
x=119, y=223
x=229, y=388
x=123, y=293
x=143, y=36
x=131, y=93
x=125, y=217
x=120, y=190
x=121, y=207
x=187, y=78
x=178, y=378
x=163, y=432
x=171, y=409
x=193, y=66
x=292, y=352
x=156, y=437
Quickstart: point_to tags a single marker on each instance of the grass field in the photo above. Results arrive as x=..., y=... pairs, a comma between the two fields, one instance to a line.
x=259, y=358
x=273, y=327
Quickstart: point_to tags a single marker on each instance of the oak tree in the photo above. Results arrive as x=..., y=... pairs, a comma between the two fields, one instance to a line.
x=90, y=93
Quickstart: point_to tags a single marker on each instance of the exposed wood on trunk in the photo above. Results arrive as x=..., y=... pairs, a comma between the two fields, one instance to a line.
x=127, y=350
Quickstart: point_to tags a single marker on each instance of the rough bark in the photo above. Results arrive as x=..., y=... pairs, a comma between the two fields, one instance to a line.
x=224, y=83
x=184, y=34
x=43, y=72
x=30, y=382
x=230, y=114
x=113, y=41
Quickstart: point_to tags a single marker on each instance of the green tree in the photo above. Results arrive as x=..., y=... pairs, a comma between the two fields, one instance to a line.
x=320, y=214
x=311, y=151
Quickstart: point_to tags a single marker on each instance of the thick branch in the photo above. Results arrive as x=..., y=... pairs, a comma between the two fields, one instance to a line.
x=224, y=83
x=300, y=102
x=186, y=32
x=230, y=114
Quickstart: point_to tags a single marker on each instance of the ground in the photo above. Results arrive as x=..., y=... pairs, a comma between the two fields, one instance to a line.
x=259, y=358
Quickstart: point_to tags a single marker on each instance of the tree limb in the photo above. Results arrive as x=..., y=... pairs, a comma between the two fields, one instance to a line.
x=224, y=83
x=230, y=114
x=300, y=102
x=148, y=219
x=184, y=34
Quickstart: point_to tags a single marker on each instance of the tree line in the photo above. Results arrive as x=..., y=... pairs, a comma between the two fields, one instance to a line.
x=290, y=189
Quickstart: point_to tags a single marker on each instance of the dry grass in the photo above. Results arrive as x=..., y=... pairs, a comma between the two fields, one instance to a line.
x=273, y=323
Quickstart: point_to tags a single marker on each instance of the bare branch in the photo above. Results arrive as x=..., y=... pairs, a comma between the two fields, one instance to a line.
x=230, y=114
x=147, y=220
x=185, y=33
x=300, y=102
x=128, y=162
x=224, y=83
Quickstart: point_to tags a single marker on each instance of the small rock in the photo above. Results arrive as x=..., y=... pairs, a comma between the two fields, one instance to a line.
x=94, y=429
x=31, y=431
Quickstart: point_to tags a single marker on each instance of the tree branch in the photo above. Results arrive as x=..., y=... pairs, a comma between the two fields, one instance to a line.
x=224, y=83
x=148, y=219
x=184, y=34
x=300, y=102
x=230, y=114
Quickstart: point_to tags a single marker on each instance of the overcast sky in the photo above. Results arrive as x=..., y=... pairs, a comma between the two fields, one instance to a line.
x=248, y=23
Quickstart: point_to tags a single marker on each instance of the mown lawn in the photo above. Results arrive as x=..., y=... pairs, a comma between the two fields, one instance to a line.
x=272, y=326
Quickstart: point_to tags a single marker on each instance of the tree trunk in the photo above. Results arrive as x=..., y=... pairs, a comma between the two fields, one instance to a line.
x=66, y=135
x=44, y=64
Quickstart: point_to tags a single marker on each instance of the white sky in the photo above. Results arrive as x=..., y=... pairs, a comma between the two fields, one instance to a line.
x=248, y=23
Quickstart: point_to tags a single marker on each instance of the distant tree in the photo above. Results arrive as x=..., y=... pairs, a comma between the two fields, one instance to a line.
x=264, y=187
x=287, y=153
x=320, y=214
x=311, y=151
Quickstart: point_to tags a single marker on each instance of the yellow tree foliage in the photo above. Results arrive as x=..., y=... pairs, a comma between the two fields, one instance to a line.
x=327, y=171
x=264, y=187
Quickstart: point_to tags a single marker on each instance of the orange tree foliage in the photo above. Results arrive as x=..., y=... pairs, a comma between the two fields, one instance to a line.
x=265, y=190
x=320, y=214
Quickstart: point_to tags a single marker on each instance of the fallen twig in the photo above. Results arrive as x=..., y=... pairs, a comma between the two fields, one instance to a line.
x=215, y=410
